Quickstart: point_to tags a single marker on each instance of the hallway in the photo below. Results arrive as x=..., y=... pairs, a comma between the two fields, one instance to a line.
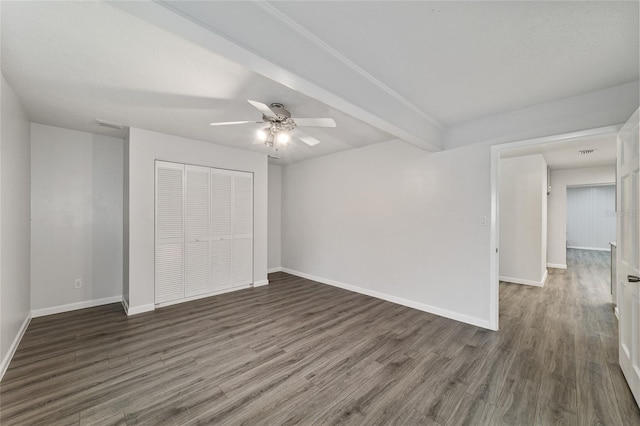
x=567, y=346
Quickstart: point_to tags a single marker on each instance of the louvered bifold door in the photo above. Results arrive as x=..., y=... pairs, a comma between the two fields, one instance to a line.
x=221, y=228
x=169, y=232
x=197, y=278
x=242, y=228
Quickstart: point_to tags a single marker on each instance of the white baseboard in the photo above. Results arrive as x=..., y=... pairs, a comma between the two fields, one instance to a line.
x=526, y=282
x=202, y=296
x=260, y=283
x=590, y=248
x=394, y=299
x=276, y=269
x=14, y=345
x=134, y=310
x=556, y=266
x=75, y=306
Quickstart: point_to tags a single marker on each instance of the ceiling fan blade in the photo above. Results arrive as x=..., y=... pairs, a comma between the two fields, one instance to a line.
x=227, y=123
x=315, y=122
x=262, y=108
x=309, y=140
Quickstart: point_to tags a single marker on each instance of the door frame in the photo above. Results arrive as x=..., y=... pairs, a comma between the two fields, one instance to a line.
x=496, y=151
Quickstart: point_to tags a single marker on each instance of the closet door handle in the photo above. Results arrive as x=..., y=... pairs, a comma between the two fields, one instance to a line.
x=633, y=278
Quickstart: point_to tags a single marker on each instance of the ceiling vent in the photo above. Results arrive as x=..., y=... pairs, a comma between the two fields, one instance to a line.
x=109, y=124
x=586, y=151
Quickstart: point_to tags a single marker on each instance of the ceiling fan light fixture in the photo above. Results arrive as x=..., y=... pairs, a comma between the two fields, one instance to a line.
x=283, y=138
x=263, y=134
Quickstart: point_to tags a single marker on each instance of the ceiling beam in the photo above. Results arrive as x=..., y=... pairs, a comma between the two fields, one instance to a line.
x=261, y=38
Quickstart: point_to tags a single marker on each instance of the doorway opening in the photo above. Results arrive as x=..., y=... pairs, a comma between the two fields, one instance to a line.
x=529, y=226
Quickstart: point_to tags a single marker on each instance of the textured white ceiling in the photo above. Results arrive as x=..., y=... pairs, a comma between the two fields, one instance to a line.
x=461, y=60
x=406, y=67
x=73, y=62
x=564, y=155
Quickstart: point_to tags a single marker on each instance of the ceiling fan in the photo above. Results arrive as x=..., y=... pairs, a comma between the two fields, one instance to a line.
x=280, y=125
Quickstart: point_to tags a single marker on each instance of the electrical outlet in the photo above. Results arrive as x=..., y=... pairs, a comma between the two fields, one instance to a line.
x=77, y=283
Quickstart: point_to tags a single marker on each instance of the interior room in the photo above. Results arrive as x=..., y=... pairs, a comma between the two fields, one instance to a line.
x=319, y=213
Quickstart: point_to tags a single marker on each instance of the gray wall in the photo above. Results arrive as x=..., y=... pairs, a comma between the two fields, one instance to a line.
x=15, y=206
x=76, y=229
x=523, y=219
x=274, y=258
x=395, y=222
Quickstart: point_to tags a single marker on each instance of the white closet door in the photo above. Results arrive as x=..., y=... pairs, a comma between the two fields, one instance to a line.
x=169, y=254
x=221, y=228
x=242, y=228
x=197, y=223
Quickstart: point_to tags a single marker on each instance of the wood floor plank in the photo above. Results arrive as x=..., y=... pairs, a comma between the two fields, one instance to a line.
x=596, y=397
x=517, y=403
x=299, y=352
x=557, y=403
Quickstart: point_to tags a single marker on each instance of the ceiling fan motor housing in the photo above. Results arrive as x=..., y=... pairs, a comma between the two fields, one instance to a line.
x=280, y=111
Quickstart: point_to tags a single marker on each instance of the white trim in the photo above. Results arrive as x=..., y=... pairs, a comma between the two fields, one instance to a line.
x=75, y=306
x=276, y=269
x=135, y=310
x=260, y=283
x=394, y=299
x=556, y=265
x=589, y=248
x=125, y=305
x=496, y=148
x=494, y=240
x=616, y=312
x=14, y=345
x=204, y=295
x=540, y=283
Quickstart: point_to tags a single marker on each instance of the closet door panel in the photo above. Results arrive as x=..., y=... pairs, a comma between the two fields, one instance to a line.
x=221, y=203
x=222, y=263
x=169, y=231
x=169, y=194
x=197, y=224
x=242, y=228
x=243, y=204
x=221, y=228
x=169, y=272
x=242, y=261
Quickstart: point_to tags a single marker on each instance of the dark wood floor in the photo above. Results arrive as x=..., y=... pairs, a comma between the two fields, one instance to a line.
x=302, y=352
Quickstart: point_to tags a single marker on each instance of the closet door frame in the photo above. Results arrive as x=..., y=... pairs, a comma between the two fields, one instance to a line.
x=212, y=289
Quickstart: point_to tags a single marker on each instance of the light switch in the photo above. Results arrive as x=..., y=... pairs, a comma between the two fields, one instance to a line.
x=483, y=221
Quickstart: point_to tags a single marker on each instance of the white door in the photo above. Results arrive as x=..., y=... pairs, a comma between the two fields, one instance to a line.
x=196, y=237
x=221, y=228
x=628, y=254
x=169, y=254
x=242, y=228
